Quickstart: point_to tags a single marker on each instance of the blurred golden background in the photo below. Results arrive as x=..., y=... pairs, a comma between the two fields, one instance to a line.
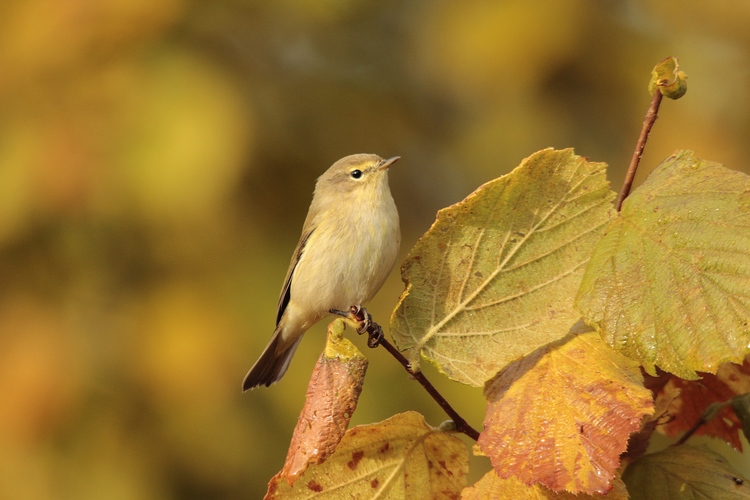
x=157, y=160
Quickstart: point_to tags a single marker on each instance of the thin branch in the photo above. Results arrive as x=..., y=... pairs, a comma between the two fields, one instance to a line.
x=708, y=414
x=461, y=424
x=697, y=425
x=648, y=122
x=362, y=318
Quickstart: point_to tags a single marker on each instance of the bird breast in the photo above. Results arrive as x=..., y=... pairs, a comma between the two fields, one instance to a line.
x=348, y=257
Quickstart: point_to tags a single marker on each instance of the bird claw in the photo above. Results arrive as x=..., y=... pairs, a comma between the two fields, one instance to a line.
x=365, y=323
x=358, y=316
x=363, y=317
x=375, y=336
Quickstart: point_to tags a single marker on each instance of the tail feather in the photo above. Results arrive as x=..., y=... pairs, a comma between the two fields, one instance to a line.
x=272, y=364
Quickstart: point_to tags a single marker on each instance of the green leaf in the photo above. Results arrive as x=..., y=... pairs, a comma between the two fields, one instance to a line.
x=495, y=276
x=667, y=78
x=668, y=283
x=741, y=407
x=684, y=472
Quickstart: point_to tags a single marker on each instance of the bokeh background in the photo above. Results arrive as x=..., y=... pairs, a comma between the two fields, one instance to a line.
x=156, y=164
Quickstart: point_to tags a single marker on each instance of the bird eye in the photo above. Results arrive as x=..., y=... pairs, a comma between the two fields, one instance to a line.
x=356, y=174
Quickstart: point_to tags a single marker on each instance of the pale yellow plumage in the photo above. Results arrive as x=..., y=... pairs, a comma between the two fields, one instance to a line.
x=348, y=247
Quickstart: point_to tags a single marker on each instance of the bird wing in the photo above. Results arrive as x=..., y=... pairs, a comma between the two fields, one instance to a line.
x=287, y=288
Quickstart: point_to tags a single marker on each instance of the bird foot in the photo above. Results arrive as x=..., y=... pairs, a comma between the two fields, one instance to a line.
x=363, y=317
x=339, y=312
x=367, y=325
x=364, y=324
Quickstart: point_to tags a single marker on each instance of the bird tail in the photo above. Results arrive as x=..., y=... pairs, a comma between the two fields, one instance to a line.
x=272, y=364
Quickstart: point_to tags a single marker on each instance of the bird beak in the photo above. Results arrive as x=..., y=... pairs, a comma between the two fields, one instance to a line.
x=387, y=163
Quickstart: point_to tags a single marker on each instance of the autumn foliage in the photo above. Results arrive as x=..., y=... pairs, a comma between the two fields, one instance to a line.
x=494, y=297
x=588, y=328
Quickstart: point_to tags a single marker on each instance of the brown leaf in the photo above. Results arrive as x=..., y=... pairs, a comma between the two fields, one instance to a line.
x=561, y=417
x=691, y=397
x=331, y=399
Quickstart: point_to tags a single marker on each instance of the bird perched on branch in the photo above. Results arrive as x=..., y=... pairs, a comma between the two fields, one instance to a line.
x=347, y=249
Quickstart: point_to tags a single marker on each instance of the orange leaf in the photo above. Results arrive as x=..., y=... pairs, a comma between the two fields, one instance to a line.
x=331, y=399
x=561, y=416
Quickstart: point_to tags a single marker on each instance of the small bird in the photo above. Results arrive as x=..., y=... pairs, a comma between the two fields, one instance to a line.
x=347, y=249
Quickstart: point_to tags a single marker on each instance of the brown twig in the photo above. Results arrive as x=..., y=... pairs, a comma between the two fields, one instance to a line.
x=697, y=425
x=375, y=338
x=708, y=414
x=648, y=122
x=461, y=424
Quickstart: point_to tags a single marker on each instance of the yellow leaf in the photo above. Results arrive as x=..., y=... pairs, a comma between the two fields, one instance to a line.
x=562, y=416
x=492, y=487
x=494, y=277
x=684, y=472
x=668, y=283
x=401, y=457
